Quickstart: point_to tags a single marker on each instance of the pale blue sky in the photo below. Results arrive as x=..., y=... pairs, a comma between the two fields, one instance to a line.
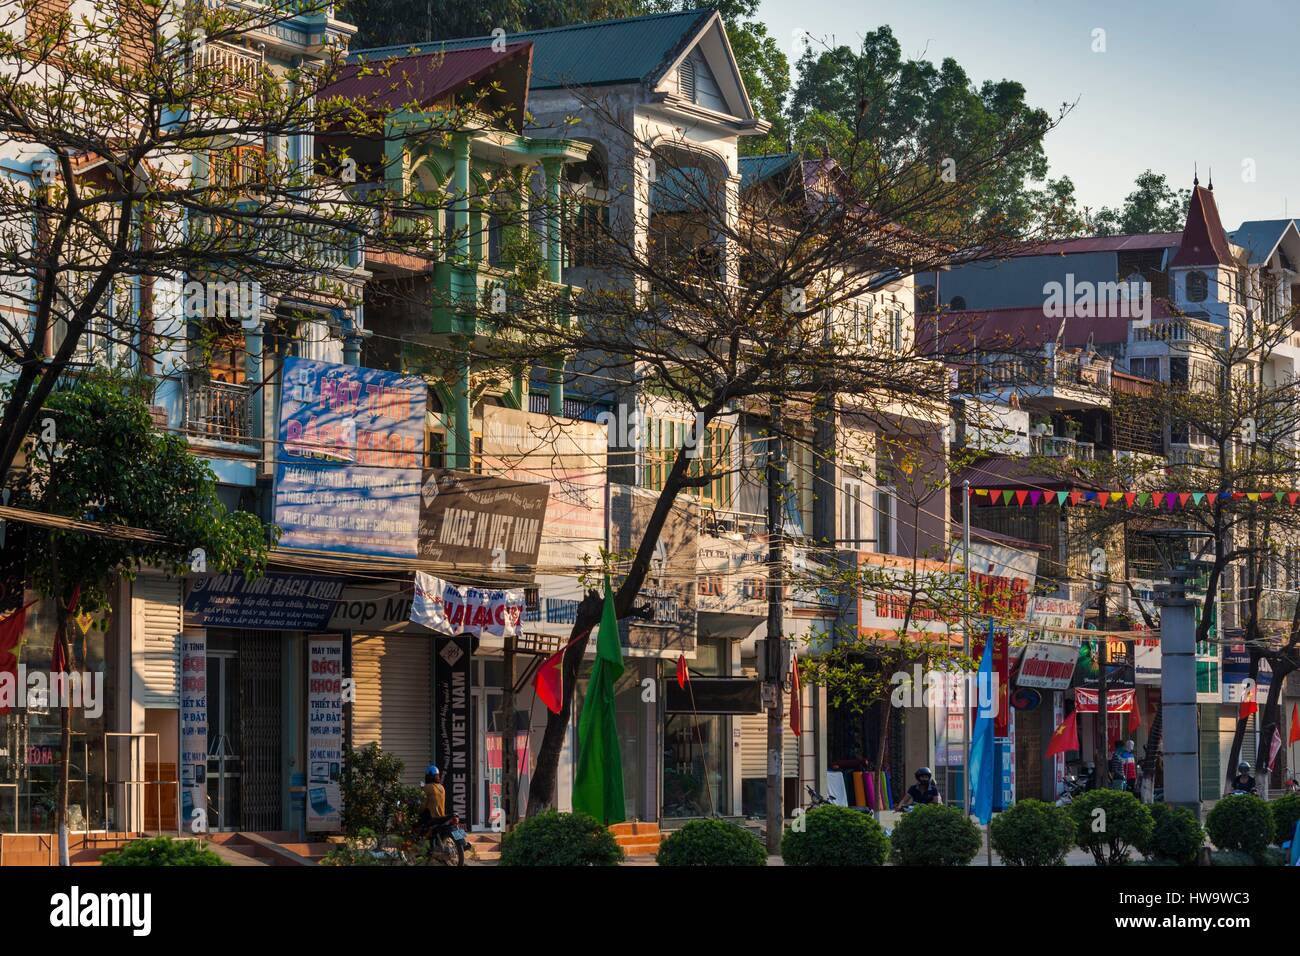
x=1214, y=83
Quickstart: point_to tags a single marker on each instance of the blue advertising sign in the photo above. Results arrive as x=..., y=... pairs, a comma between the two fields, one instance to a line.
x=273, y=602
x=347, y=477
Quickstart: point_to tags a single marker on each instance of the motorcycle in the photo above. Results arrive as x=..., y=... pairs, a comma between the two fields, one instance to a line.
x=1074, y=787
x=817, y=800
x=441, y=845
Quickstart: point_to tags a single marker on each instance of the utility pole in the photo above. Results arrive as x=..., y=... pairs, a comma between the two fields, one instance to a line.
x=1103, y=718
x=773, y=672
x=1178, y=692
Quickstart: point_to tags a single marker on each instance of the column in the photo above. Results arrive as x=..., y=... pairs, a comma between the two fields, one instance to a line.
x=253, y=332
x=1178, y=694
x=554, y=269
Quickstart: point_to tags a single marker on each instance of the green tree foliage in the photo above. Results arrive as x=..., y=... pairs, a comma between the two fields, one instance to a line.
x=1240, y=822
x=935, y=835
x=912, y=107
x=1110, y=823
x=1152, y=206
x=1032, y=833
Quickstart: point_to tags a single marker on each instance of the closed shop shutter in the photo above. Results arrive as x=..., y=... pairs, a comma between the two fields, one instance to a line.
x=753, y=748
x=155, y=628
x=1029, y=753
x=393, y=681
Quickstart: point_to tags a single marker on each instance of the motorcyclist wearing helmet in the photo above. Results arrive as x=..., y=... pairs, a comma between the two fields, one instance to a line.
x=435, y=795
x=1243, y=781
x=923, y=791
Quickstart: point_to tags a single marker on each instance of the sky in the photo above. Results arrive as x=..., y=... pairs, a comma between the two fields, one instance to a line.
x=1178, y=82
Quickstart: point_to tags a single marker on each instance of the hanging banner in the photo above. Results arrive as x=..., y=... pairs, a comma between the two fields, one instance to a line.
x=496, y=772
x=194, y=733
x=453, y=750
x=1236, y=674
x=324, y=733
x=1001, y=672
x=467, y=518
x=449, y=609
x=272, y=602
x=348, y=470
x=1117, y=701
x=1047, y=666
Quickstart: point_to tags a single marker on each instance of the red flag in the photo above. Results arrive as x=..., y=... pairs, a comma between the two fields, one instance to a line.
x=549, y=681
x=1294, y=735
x=11, y=632
x=796, y=698
x=1064, y=737
x=1248, y=705
x=683, y=675
x=1134, y=717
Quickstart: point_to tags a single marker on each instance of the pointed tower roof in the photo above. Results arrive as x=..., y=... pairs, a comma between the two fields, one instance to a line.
x=1204, y=241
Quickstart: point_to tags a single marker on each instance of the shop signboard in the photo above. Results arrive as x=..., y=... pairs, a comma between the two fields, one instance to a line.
x=1002, y=578
x=272, y=602
x=1001, y=672
x=669, y=590
x=1147, y=660
x=895, y=590
x=324, y=733
x=1119, y=665
x=569, y=456
x=496, y=772
x=452, y=747
x=1047, y=666
x=194, y=733
x=483, y=520
x=732, y=576
x=348, y=469
x=1044, y=615
x=1236, y=675
x=1121, y=701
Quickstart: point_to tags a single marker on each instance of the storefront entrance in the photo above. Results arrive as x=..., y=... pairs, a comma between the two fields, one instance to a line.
x=223, y=740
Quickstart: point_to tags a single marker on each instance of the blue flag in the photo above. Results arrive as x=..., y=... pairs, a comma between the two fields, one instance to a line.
x=983, y=751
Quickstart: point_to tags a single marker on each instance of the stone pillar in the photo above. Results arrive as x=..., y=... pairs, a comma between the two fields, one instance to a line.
x=1178, y=695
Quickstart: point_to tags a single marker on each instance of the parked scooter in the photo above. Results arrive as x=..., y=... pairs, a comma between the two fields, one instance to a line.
x=443, y=845
x=817, y=800
x=1074, y=787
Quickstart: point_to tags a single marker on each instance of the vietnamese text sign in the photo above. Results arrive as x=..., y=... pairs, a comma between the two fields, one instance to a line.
x=670, y=587
x=273, y=602
x=348, y=472
x=466, y=518
x=732, y=576
x=453, y=749
x=1046, y=665
x=324, y=733
x=449, y=609
x=194, y=733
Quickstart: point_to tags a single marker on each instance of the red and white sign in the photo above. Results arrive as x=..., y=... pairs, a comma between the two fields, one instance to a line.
x=451, y=610
x=1047, y=666
x=1117, y=701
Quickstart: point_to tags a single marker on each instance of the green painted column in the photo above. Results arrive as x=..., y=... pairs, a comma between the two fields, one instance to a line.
x=554, y=169
x=460, y=423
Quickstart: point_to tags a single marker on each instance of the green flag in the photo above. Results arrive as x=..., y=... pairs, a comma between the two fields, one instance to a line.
x=598, y=786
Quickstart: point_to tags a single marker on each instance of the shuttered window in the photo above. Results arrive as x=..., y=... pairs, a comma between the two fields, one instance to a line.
x=753, y=747
x=393, y=707
x=156, y=626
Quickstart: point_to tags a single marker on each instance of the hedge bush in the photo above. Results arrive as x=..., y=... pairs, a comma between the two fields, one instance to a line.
x=162, y=851
x=1241, y=822
x=374, y=798
x=1176, y=836
x=1123, y=824
x=711, y=843
x=835, y=836
x=1032, y=833
x=560, y=839
x=935, y=835
x=1286, y=811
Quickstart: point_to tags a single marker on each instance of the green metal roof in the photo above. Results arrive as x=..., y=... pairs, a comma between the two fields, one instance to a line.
x=755, y=169
x=603, y=53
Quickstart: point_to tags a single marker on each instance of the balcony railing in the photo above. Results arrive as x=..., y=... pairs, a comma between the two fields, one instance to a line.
x=219, y=411
x=1180, y=330
x=1038, y=371
x=1202, y=457
x=241, y=68
x=1061, y=446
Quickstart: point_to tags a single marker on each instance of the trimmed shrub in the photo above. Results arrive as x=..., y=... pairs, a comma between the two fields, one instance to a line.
x=162, y=851
x=1110, y=823
x=935, y=835
x=1286, y=811
x=1240, y=823
x=711, y=843
x=1176, y=837
x=1231, y=858
x=374, y=797
x=835, y=836
x=560, y=839
x=1032, y=833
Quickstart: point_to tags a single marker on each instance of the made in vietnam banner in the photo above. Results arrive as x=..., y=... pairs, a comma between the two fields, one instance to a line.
x=348, y=471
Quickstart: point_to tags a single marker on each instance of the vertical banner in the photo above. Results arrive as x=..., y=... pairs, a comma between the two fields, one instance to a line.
x=1058, y=760
x=452, y=748
x=496, y=770
x=324, y=733
x=194, y=733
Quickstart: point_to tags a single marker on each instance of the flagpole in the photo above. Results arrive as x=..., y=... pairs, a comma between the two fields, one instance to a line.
x=965, y=647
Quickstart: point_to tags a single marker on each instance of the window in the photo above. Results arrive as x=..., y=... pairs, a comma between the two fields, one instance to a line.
x=886, y=542
x=1197, y=286
x=957, y=303
x=852, y=505
x=897, y=325
x=240, y=166
x=1145, y=368
x=587, y=226
x=686, y=78
x=1177, y=371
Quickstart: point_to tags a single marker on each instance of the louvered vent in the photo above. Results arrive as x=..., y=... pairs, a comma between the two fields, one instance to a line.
x=156, y=613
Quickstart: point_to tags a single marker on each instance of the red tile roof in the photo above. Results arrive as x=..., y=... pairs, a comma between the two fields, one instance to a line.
x=1204, y=241
x=1137, y=243
x=1010, y=330
x=422, y=79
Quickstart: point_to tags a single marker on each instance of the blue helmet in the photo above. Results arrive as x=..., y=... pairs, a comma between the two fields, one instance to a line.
x=432, y=770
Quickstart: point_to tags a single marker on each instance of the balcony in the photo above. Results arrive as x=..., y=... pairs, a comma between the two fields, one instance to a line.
x=1055, y=380
x=1061, y=446
x=217, y=411
x=1187, y=456
x=1180, y=331
x=241, y=68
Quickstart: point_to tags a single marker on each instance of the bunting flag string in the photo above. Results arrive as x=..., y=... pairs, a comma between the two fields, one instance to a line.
x=1157, y=500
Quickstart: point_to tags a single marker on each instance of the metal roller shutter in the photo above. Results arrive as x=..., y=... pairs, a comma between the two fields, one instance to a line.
x=393, y=707
x=753, y=748
x=156, y=624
